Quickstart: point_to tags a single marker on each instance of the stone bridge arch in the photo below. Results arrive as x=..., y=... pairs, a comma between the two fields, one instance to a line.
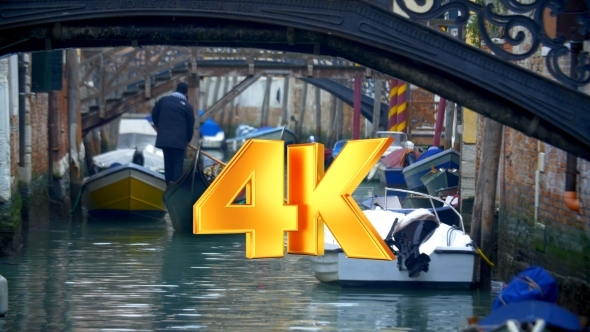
x=351, y=29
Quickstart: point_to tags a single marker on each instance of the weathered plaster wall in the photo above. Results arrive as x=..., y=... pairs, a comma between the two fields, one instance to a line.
x=10, y=199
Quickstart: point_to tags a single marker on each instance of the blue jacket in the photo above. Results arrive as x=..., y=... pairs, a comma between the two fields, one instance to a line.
x=175, y=121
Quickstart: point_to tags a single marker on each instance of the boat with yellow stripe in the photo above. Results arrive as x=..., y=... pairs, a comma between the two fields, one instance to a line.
x=122, y=191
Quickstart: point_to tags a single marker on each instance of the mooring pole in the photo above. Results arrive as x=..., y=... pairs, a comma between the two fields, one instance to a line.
x=356, y=119
x=484, y=207
x=440, y=117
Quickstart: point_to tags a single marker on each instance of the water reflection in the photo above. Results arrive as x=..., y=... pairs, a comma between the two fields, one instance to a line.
x=138, y=276
x=112, y=275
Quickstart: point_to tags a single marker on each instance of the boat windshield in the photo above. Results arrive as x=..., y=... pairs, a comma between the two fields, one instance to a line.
x=399, y=138
x=136, y=134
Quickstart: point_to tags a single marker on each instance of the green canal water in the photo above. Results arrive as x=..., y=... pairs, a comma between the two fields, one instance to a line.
x=141, y=276
x=113, y=275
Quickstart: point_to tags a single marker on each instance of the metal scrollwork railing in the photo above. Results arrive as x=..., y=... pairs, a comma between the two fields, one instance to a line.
x=523, y=18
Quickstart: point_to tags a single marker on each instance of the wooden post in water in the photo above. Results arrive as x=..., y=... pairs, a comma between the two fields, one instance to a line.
x=285, y=105
x=449, y=118
x=376, y=108
x=484, y=207
x=232, y=113
x=266, y=103
x=54, y=120
x=339, y=119
x=356, y=116
x=223, y=111
x=216, y=93
x=207, y=93
x=302, y=111
x=75, y=129
x=318, y=115
x=332, y=123
x=193, y=99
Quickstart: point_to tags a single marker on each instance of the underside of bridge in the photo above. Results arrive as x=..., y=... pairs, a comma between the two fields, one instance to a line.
x=351, y=29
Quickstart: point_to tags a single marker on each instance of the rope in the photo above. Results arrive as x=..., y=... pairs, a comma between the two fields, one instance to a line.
x=77, y=199
x=482, y=255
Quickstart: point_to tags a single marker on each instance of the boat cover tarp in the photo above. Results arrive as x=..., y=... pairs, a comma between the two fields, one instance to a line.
x=397, y=157
x=209, y=127
x=529, y=311
x=533, y=283
x=429, y=153
x=136, y=133
x=244, y=130
x=418, y=214
x=153, y=160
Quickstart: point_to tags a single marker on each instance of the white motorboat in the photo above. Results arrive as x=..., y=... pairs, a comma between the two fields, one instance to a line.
x=428, y=253
x=212, y=135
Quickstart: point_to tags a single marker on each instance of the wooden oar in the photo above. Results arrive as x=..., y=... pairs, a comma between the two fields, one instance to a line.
x=207, y=155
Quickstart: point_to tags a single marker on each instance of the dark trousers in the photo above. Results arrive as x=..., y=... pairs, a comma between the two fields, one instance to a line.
x=173, y=162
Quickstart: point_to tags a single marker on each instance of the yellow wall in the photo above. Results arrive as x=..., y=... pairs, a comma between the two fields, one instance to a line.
x=469, y=126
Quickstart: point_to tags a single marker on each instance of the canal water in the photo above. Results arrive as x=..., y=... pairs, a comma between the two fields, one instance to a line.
x=113, y=275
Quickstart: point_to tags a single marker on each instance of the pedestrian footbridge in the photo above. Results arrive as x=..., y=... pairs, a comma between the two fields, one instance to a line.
x=554, y=112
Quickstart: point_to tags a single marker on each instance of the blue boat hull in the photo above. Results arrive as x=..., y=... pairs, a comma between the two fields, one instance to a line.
x=391, y=176
x=412, y=174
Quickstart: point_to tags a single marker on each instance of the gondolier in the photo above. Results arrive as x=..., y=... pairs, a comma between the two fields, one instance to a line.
x=174, y=120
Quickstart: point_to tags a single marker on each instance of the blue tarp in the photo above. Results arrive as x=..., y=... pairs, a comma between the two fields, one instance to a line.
x=534, y=283
x=429, y=153
x=529, y=311
x=209, y=127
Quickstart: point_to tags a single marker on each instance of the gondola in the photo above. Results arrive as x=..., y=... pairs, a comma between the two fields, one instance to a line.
x=182, y=194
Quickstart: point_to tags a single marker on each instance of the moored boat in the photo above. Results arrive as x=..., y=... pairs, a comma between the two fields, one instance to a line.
x=438, y=180
x=128, y=181
x=182, y=195
x=244, y=133
x=125, y=190
x=212, y=135
x=406, y=204
x=135, y=144
x=448, y=159
x=390, y=168
x=400, y=141
x=428, y=254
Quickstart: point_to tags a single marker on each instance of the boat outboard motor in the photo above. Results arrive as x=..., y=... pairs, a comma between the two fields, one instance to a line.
x=138, y=158
x=408, y=234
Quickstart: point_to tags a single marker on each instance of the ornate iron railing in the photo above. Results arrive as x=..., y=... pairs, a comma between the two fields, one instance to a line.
x=523, y=18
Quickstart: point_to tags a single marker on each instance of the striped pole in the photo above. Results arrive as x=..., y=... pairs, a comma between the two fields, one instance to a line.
x=402, y=88
x=392, y=119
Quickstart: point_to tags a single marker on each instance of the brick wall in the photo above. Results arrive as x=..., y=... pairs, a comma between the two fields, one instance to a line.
x=558, y=239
